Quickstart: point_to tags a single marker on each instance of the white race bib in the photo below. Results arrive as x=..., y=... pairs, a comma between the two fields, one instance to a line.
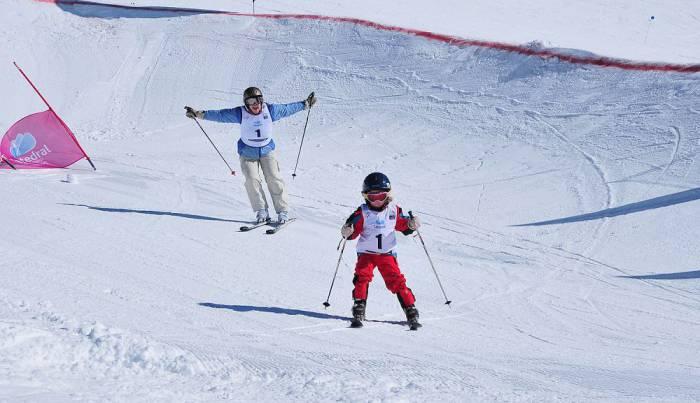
x=378, y=231
x=256, y=130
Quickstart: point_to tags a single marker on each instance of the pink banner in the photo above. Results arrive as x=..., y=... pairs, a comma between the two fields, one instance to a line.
x=39, y=140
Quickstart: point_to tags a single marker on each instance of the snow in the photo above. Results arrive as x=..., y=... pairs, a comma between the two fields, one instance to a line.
x=559, y=205
x=651, y=30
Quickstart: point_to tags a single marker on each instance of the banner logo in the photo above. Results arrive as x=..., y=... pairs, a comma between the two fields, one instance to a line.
x=22, y=144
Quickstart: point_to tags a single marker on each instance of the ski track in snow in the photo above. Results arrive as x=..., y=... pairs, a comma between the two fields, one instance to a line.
x=134, y=284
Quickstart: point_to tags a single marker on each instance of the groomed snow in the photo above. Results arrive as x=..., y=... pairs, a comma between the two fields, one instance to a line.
x=559, y=204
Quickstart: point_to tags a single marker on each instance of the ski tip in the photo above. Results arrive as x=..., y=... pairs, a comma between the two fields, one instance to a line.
x=277, y=226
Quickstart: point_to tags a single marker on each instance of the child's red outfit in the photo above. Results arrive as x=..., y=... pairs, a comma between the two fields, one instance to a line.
x=376, y=248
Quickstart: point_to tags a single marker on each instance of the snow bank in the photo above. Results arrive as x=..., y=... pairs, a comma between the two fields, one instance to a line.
x=45, y=341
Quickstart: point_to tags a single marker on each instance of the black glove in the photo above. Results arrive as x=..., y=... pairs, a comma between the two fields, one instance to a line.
x=191, y=113
x=310, y=101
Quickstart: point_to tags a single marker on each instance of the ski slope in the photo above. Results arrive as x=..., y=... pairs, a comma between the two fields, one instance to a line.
x=559, y=205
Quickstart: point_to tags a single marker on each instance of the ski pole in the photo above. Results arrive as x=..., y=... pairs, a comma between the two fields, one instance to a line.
x=447, y=301
x=212, y=143
x=294, y=174
x=339, y=242
x=327, y=304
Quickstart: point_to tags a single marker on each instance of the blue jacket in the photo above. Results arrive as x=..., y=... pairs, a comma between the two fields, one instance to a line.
x=235, y=115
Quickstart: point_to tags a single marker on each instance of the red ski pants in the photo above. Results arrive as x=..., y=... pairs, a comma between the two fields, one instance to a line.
x=389, y=269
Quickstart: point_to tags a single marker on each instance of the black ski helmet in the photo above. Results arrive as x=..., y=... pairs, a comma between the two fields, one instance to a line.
x=252, y=92
x=376, y=181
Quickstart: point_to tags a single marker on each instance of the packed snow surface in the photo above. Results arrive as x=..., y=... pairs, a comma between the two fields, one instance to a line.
x=559, y=204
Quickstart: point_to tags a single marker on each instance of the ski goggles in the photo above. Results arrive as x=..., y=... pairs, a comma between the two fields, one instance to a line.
x=252, y=101
x=374, y=197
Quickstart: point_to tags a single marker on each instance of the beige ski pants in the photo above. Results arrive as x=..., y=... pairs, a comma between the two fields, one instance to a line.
x=253, y=182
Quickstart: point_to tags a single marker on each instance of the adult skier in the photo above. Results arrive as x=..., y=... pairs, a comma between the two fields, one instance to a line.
x=256, y=147
x=375, y=222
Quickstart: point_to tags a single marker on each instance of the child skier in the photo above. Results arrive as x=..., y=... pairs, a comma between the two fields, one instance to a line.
x=375, y=222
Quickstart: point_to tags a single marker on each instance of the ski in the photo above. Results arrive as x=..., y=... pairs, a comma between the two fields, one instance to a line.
x=277, y=226
x=246, y=228
x=355, y=324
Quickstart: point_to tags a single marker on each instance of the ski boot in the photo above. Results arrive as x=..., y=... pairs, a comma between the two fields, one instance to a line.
x=412, y=317
x=262, y=216
x=358, y=313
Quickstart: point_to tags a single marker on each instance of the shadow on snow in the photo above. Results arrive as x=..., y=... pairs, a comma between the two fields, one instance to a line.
x=153, y=212
x=657, y=202
x=684, y=275
x=287, y=311
x=89, y=9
